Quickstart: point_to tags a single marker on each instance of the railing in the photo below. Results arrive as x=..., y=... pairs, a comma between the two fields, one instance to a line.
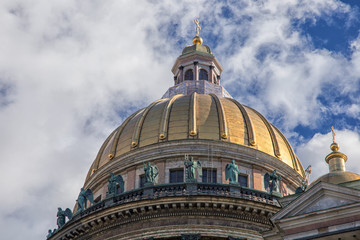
x=181, y=189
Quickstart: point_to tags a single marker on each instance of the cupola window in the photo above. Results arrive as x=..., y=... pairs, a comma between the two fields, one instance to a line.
x=203, y=75
x=189, y=75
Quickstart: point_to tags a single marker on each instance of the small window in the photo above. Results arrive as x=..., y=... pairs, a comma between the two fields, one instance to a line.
x=203, y=75
x=243, y=180
x=142, y=180
x=189, y=75
x=209, y=175
x=176, y=176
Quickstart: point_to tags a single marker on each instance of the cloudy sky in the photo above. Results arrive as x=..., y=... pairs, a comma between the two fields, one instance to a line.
x=71, y=71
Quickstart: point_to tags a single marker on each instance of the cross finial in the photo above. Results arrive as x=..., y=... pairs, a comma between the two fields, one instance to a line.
x=198, y=28
x=333, y=133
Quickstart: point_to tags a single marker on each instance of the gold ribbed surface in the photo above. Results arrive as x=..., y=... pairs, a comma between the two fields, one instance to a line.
x=197, y=116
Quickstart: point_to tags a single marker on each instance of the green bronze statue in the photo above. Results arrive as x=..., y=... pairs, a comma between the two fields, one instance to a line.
x=232, y=172
x=151, y=173
x=114, y=182
x=61, y=216
x=50, y=233
x=191, y=167
x=82, y=199
x=271, y=181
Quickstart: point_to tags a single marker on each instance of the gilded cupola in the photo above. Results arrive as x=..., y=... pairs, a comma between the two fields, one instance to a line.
x=197, y=107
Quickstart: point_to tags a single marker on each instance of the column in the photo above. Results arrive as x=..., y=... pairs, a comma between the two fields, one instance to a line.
x=181, y=75
x=196, y=71
x=211, y=67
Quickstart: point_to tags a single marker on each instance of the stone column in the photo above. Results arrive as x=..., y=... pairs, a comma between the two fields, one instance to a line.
x=211, y=69
x=218, y=79
x=196, y=71
x=181, y=75
x=175, y=80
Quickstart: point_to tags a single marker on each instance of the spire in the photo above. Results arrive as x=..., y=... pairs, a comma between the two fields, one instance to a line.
x=336, y=159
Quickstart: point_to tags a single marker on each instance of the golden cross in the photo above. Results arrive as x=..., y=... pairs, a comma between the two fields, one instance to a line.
x=198, y=28
x=333, y=133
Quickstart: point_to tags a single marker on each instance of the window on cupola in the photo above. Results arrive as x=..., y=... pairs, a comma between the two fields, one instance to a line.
x=203, y=75
x=189, y=75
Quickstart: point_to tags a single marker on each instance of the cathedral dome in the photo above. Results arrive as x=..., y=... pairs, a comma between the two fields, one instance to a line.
x=197, y=117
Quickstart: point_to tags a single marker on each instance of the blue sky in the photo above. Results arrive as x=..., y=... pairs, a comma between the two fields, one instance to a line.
x=71, y=71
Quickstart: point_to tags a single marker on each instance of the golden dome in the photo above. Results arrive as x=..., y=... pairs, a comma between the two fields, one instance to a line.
x=197, y=116
x=337, y=172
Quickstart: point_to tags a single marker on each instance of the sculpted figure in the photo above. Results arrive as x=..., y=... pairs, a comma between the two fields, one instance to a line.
x=50, y=233
x=191, y=167
x=305, y=181
x=112, y=185
x=61, y=215
x=151, y=173
x=232, y=172
x=271, y=181
x=82, y=199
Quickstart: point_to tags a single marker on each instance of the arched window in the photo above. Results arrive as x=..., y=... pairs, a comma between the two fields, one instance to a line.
x=203, y=75
x=189, y=75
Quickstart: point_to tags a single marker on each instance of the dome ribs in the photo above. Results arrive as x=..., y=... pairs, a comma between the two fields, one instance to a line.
x=272, y=134
x=120, y=130
x=165, y=117
x=293, y=157
x=249, y=126
x=221, y=117
x=136, y=134
x=100, y=153
x=192, y=116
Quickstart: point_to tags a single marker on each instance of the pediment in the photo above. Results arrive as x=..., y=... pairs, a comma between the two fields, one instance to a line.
x=322, y=196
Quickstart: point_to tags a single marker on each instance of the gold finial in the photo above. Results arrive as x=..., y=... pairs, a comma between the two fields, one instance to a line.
x=333, y=133
x=334, y=146
x=197, y=39
x=198, y=28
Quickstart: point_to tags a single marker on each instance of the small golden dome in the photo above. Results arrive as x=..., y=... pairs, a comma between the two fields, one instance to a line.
x=337, y=178
x=197, y=40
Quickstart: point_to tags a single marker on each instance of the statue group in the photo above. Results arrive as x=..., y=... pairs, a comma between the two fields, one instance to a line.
x=232, y=172
x=191, y=167
x=271, y=181
x=151, y=173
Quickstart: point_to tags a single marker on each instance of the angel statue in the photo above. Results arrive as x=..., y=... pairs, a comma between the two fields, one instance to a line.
x=82, y=199
x=113, y=183
x=191, y=167
x=61, y=216
x=151, y=173
x=232, y=172
x=271, y=181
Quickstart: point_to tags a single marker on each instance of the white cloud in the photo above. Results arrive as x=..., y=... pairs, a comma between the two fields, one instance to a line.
x=72, y=66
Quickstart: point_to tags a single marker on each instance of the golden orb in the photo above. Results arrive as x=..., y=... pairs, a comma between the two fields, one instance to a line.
x=197, y=40
x=162, y=136
x=111, y=156
x=334, y=147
